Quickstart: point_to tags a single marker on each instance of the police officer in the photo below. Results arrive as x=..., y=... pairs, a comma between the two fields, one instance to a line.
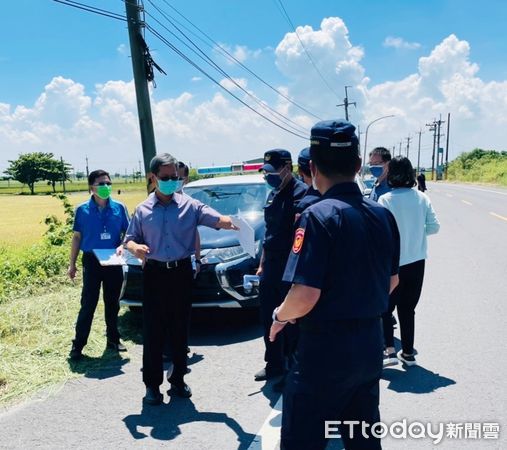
x=99, y=223
x=279, y=215
x=341, y=276
x=379, y=168
x=312, y=195
x=162, y=234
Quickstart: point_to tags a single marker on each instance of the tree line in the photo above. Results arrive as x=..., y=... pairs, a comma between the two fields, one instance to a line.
x=30, y=168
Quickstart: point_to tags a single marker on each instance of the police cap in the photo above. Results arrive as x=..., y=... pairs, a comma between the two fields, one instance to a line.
x=304, y=159
x=334, y=134
x=276, y=159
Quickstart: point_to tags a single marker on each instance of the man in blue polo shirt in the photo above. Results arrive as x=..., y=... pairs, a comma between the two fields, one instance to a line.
x=99, y=223
x=341, y=275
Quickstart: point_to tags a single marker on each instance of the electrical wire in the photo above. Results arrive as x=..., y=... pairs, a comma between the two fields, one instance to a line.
x=92, y=9
x=207, y=75
x=286, y=15
x=286, y=120
x=231, y=57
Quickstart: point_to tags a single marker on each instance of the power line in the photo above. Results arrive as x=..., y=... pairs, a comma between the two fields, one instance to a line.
x=92, y=9
x=186, y=58
x=213, y=64
x=230, y=56
x=284, y=12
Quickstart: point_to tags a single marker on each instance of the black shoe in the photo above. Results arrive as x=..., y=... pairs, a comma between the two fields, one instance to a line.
x=75, y=353
x=116, y=346
x=181, y=390
x=266, y=374
x=153, y=396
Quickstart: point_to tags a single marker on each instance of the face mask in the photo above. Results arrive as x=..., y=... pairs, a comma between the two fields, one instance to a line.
x=376, y=171
x=169, y=187
x=104, y=191
x=273, y=180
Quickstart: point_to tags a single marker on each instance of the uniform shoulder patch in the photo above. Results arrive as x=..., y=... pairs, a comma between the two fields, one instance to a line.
x=299, y=237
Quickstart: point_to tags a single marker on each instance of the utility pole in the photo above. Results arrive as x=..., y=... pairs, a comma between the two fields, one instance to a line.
x=346, y=103
x=408, y=144
x=63, y=174
x=440, y=155
x=399, y=153
x=87, y=173
x=137, y=51
x=447, y=144
x=140, y=171
x=419, y=151
x=433, y=127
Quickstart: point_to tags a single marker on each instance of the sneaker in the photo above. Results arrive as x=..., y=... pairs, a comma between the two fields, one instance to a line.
x=390, y=359
x=153, y=396
x=409, y=360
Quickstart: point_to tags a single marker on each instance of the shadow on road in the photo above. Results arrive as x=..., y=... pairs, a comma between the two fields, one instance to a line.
x=415, y=379
x=208, y=326
x=165, y=421
x=106, y=366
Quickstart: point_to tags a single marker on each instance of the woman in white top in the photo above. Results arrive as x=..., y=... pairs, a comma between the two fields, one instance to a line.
x=416, y=219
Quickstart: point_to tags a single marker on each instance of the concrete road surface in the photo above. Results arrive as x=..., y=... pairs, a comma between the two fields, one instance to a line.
x=459, y=384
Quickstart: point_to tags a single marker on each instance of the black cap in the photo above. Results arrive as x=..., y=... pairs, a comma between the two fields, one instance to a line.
x=276, y=159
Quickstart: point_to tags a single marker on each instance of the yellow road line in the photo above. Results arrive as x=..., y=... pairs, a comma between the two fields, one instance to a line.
x=449, y=195
x=466, y=202
x=498, y=216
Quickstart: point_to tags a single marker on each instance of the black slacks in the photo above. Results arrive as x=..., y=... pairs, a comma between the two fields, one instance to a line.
x=95, y=275
x=405, y=298
x=166, y=312
x=272, y=292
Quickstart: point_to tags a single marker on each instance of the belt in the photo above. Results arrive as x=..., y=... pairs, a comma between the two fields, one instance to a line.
x=168, y=264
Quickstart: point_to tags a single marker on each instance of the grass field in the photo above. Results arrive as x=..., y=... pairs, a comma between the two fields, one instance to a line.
x=22, y=216
x=35, y=339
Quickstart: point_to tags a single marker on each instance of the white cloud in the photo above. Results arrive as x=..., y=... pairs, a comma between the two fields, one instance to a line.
x=123, y=50
x=240, y=52
x=400, y=43
x=103, y=124
x=196, y=79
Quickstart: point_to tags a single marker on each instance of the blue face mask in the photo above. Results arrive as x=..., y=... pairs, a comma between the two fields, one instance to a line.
x=376, y=171
x=273, y=180
x=169, y=187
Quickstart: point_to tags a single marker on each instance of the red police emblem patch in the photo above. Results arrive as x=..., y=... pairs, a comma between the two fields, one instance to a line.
x=298, y=240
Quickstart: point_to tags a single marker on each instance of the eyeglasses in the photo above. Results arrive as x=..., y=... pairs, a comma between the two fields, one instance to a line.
x=103, y=183
x=171, y=178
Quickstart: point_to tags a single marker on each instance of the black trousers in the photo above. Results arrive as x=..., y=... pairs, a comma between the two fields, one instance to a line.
x=405, y=298
x=335, y=378
x=95, y=275
x=272, y=292
x=166, y=312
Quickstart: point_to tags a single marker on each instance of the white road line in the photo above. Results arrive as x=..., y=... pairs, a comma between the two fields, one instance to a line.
x=474, y=189
x=268, y=437
x=466, y=202
x=449, y=195
x=498, y=216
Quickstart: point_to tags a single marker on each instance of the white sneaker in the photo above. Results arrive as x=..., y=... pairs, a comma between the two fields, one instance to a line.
x=409, y=360
x=390, y=359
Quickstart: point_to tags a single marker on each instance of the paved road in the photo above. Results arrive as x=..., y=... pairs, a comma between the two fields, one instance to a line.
x=460, y=338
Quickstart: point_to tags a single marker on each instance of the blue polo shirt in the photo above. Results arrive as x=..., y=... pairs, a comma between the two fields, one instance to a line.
x=100, y=228
x=348, y=247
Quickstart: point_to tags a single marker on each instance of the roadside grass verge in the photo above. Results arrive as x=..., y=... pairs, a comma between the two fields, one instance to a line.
x=35, y=339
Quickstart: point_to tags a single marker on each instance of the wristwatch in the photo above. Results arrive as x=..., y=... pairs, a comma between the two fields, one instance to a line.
x=275, y=319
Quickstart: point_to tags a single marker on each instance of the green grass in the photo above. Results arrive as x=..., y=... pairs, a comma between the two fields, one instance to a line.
x=35, y=339
x=16, y=188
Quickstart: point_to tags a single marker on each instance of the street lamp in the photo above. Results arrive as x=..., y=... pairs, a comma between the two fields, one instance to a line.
x=366, y=137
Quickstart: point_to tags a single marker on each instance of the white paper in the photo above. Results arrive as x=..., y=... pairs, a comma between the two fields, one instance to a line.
x=108, y=257
x=246, y=235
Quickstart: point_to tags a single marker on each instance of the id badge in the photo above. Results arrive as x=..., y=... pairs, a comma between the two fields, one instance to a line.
x=105, y=236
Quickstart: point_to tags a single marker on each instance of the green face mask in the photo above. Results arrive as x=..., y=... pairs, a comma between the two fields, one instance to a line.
x=104, y=192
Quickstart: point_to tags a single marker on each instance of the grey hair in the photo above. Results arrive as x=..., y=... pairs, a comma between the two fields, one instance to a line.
x=162, y=159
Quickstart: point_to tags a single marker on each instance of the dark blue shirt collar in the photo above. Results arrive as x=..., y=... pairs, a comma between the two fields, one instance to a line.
x=349, y=187
x=93, y=204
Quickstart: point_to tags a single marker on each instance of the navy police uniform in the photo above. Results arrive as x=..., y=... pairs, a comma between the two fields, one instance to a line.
x=279, y=215
x=312, y=195
x=339, y=354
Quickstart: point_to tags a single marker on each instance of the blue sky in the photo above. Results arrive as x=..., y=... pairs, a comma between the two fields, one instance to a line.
x=43, y=40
